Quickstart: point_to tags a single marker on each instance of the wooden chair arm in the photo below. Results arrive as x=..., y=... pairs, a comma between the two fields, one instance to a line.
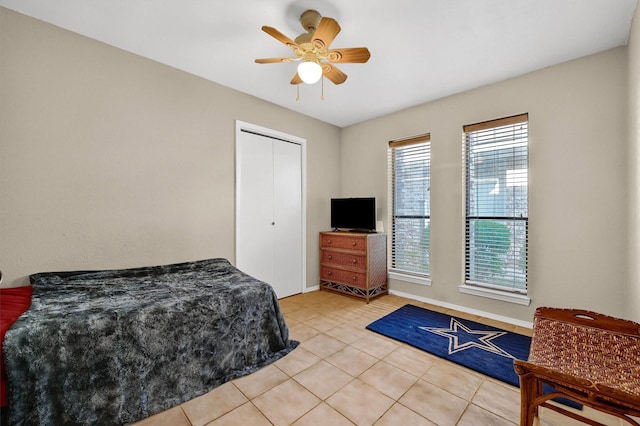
x=553, y=376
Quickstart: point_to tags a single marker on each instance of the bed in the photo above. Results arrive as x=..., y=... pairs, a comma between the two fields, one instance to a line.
x=116, y=346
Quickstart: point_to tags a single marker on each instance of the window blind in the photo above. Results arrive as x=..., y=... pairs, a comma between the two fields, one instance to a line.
x=495, y=156
x=409, y=165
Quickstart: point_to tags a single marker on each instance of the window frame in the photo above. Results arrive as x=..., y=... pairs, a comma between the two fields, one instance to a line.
x=417, y=277
x=495, y=290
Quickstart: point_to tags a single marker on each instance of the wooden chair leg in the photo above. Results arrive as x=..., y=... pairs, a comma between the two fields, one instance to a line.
x=530, y=389
x=538, y=392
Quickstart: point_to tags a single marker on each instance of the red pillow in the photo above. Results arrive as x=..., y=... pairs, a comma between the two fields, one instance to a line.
x=13, y=302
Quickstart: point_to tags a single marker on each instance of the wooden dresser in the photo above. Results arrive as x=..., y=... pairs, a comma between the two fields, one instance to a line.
x=354, y=263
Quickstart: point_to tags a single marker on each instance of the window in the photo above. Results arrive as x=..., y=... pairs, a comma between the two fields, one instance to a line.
x=496, y=192
x=409, y=181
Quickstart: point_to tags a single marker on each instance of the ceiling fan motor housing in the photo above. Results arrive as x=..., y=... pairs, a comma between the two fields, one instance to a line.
x=309, y=20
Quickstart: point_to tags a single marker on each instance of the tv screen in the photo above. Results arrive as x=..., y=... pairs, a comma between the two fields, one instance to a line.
x=353, y=213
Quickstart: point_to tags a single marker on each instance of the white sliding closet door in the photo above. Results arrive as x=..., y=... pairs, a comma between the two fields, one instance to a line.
x=269, y=211
x=287, y=215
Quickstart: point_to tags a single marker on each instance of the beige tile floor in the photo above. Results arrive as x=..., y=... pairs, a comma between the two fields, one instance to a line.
x=343, y=374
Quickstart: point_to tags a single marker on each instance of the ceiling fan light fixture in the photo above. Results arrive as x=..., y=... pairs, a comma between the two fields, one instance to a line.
x=310, y=72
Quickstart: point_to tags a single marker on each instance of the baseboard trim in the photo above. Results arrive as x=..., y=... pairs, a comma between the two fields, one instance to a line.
x=508, y=320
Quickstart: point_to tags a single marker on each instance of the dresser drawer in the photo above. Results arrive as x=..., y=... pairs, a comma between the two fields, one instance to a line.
x=346, y=242
x=356, y=261
x=354, y=279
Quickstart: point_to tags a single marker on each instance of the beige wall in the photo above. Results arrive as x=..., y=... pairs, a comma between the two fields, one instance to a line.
x=633, y=300
x=110, y=160
x=578, y=148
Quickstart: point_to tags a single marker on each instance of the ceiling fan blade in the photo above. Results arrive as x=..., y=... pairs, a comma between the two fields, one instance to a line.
x=357, y=55
x=332, y=73
x=279, y=36
x=296, y=79
x=274, y=60
x=327, y=30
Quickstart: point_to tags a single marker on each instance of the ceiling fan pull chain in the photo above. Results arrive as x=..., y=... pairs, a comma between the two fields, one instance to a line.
x=297, y=93
x=322, y=88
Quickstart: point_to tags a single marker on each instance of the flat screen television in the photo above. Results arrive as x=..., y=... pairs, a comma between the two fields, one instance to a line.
x=358, y=214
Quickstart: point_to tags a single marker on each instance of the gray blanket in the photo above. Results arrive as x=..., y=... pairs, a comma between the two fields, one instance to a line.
x=113, y=347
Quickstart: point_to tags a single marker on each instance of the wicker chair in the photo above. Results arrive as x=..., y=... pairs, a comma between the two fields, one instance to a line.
x=589, y=358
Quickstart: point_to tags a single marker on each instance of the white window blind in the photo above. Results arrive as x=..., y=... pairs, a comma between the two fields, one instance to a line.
x=409, y=165
x=496, y=226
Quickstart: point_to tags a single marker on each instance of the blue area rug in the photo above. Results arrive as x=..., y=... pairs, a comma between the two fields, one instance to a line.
x=480, y=347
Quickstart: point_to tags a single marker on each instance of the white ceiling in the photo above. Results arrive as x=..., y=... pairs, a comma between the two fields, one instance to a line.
x=421, y=50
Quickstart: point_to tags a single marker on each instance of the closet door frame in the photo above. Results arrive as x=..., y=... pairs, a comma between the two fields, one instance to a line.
x=264, y=131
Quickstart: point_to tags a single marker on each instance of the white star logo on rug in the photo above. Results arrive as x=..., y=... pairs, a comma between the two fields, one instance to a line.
x=462, y=337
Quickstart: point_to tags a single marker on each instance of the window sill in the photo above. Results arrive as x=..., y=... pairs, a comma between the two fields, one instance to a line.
x=504, y=296
x=409, y=278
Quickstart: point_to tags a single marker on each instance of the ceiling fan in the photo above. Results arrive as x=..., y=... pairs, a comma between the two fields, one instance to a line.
x=312, y=48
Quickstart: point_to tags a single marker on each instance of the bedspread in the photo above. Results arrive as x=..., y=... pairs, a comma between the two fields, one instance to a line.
x=116, y=346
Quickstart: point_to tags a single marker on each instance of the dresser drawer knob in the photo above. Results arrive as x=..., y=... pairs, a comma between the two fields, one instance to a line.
x=329, y=257
x=329, y=273
x=355, y=261
x=353, y=243
x=328, y=241
x=355, y=278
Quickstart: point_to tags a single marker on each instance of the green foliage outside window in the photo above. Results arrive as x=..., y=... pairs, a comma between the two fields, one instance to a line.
x=492, y=241
x=426, y=236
